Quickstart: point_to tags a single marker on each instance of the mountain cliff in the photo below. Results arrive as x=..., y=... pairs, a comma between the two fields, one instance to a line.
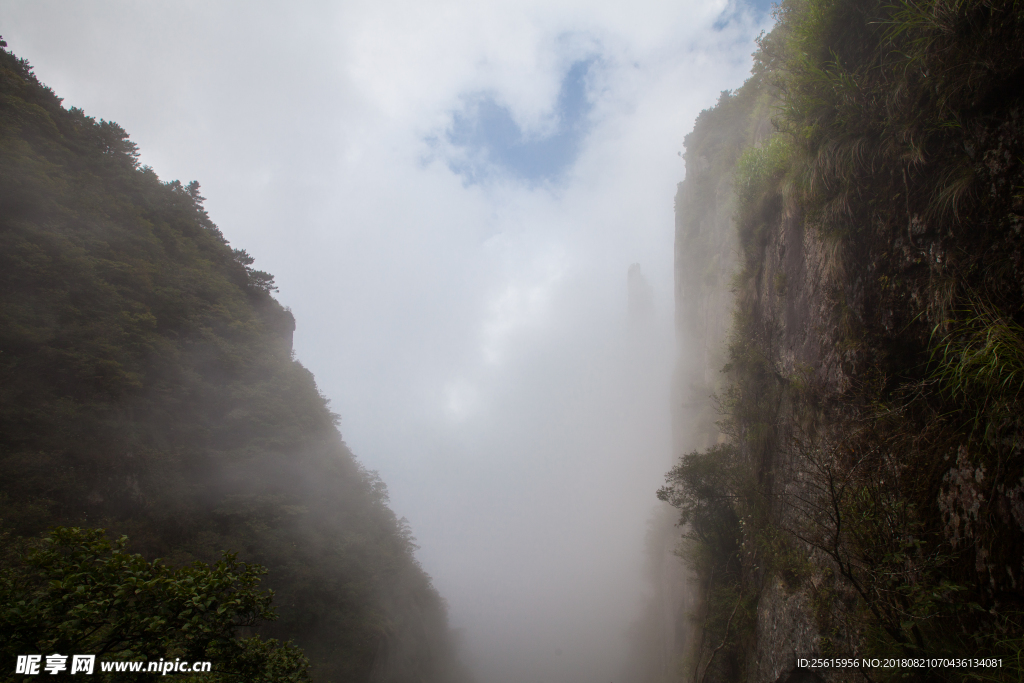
x=860, y=494
x=149, y=388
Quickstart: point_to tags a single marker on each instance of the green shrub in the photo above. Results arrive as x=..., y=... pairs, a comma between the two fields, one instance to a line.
x=77, y=592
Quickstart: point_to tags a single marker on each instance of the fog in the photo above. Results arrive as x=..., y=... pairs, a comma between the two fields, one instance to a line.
x=450, y=195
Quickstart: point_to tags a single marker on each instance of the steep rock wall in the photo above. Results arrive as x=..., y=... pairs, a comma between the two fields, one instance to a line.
x=860, y=499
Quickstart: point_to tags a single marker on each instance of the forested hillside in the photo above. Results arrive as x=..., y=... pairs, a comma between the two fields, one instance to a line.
x=148, y=387
x=861, y=495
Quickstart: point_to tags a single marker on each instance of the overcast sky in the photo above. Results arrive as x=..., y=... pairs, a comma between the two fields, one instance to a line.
x=450, y=195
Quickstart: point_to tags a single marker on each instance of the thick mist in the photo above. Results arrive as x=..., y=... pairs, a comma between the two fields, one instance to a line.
x=452, y=197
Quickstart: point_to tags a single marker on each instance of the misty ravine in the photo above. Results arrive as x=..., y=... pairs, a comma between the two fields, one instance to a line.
x=786, y=449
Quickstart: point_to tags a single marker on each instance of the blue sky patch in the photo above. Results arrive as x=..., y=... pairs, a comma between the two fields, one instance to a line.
x=493, y=141
x=761, y=8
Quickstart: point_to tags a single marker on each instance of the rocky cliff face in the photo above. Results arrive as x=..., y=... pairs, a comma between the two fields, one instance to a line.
x=849, y=285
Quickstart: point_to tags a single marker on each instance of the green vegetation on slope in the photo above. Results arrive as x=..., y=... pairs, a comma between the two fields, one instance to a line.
x=76, y=592
x=148, y=388
x=874, y=470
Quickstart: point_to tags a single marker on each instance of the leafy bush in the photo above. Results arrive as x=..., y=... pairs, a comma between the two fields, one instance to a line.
x=760, y=168
x=78, y=593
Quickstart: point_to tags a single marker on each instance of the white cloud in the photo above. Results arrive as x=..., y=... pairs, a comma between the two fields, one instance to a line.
x=519, y=306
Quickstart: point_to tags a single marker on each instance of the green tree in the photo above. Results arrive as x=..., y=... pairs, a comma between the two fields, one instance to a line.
x=76, y=592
